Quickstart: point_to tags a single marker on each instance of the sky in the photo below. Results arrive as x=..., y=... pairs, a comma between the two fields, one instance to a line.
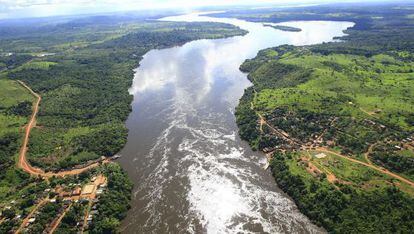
x=41, y=8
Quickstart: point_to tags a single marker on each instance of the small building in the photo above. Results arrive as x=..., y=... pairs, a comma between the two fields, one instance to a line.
x=320, y=155
x=77, y=191
x=88, y=189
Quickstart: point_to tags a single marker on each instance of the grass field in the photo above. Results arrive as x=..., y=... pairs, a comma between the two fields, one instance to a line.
x=11, y=94
x=378, y=87
x=36, y=65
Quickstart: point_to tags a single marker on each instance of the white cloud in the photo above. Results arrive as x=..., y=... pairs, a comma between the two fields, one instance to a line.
x=36, y=8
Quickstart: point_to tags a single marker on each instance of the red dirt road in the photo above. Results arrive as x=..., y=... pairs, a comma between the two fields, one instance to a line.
x=381, y=170
x=25, y=165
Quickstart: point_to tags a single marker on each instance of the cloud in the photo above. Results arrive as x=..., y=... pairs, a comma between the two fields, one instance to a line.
x=38, y=8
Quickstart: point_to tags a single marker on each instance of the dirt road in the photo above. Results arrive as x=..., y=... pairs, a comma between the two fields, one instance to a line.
x=55, y=225
x=25, y=165
x=381, y=170
x=26, y=220
x=366, y=155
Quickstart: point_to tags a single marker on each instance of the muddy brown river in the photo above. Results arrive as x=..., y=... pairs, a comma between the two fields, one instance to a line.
x=192, y=173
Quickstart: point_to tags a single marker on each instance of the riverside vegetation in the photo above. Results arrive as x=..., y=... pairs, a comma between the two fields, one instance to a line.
x=337, y=119
x=82, y=68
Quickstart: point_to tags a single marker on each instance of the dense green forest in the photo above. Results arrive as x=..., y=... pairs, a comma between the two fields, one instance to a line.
x=326, y=105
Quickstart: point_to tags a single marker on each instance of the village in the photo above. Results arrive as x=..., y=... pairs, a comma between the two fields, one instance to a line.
x=63, y=197
x=317, y=146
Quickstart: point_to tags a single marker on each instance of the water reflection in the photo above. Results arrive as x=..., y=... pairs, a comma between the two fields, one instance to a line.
x=191, y=170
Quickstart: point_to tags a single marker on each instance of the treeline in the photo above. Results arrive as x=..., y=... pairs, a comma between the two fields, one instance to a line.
x=247, y=119
x=177, y=34
x=274, y=74
x=346, y=210
x=9, y=143
x=14, y=60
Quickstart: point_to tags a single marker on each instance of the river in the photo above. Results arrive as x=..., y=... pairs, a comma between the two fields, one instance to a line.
x=192, y=173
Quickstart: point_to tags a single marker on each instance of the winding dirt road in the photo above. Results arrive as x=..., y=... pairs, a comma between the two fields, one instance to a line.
x=25, y=165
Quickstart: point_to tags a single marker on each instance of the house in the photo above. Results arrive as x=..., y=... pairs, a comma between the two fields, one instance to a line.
x=321, y=155
x=77, y=191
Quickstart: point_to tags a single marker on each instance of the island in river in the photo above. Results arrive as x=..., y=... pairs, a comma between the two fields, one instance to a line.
x=283, y=28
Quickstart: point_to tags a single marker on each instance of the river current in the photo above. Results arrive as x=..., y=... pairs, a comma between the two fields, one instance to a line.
x=192, y=173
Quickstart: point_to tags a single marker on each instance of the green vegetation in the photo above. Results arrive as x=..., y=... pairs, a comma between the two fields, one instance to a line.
x=72, y=218
x=36, y=65
x=401, y=161
x=15, y=107
x=284, y=28
x=354, y=98
x=345, y=210
x=46, y=215
x=14, y=60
